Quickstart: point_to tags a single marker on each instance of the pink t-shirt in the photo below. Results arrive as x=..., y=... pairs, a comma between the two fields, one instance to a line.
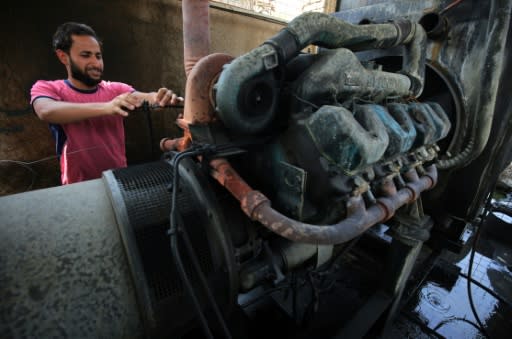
x=93, y=145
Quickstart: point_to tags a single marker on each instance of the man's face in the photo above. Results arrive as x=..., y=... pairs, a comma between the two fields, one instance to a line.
x=86, y=60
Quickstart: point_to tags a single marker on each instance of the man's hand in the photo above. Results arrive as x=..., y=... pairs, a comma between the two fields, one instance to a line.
x=62, y=112
x=164, y=97
x=123, y=102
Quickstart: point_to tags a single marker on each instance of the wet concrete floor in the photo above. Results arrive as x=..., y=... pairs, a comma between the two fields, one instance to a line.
x=440, y=306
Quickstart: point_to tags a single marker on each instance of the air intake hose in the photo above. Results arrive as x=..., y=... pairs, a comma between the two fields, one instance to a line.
x=251, y=79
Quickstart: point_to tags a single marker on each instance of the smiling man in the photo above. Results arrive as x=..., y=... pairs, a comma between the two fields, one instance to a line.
x=86, y=112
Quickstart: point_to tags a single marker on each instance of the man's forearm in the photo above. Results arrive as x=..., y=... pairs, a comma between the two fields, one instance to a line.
x=65, y=112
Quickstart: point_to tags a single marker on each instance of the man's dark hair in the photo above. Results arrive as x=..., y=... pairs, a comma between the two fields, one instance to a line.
x=62, y=38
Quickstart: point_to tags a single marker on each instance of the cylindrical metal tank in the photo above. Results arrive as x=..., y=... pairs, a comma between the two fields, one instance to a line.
x=63, y=269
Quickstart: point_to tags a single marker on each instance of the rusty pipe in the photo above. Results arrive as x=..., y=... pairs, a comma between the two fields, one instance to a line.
x=359, y=218
x=198, y=107
x=229, y=178
x=419, y=184
x=196, y=45
x=196, y=32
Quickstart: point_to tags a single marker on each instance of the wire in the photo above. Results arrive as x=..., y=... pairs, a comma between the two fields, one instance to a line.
x=28, y=163
x=209, y=294
x=449, y=320
x=450, y=6
x=149, y=123
x=471, y=260
x=174, y=228
x=487, y=289
x=51, y=157
x=26, y=166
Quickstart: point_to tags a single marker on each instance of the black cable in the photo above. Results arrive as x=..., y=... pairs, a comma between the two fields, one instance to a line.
x=173, y=229
x=487, y=289
x=149, y=122
x=146, y=106
x=449, y=320
x=202, y=278
x=205, y=150
x=502, y=209
x=471, y=260
x=188, y=285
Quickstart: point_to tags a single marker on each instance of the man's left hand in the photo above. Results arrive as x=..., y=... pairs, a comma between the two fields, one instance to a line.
x=165, y=97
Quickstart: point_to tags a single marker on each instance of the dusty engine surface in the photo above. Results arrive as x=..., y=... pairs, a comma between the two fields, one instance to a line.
x=311, y=179
x=298, y=154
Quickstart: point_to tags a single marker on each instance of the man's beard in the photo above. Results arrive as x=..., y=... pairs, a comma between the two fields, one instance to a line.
x=83, y=77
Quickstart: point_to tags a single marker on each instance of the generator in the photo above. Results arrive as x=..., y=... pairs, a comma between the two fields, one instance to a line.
x=300, y=193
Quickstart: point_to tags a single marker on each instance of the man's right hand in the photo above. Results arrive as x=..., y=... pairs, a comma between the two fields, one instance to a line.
x=122, y=103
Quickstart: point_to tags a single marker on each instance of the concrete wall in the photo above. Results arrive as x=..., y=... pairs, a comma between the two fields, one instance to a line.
x=143, y=46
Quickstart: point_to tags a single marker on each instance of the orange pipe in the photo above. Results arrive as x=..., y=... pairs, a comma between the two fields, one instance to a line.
x=196, y=32
x=359, y=218
x=198, y=104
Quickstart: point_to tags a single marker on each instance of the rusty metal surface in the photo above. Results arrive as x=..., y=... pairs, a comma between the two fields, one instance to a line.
x=63, y=271
x=229, y=178
x=359, y=217
x=196, y=32
x=198, y=104
x=198, y=107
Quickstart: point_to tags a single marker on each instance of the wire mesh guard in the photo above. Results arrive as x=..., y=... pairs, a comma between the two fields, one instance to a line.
x=148, y=202
x=142, y=198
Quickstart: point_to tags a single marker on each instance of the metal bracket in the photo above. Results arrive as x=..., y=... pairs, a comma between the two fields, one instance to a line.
x=270, y=60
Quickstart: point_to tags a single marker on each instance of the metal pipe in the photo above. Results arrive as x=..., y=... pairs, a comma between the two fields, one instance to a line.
x=198, y=103
x=327, y=31
x=196, y=46
x=196, y=33
x=350, y=79
x=198, y=106
x=359, y=218
x=254, y=71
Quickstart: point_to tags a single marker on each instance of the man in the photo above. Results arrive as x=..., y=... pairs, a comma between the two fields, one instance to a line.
x=85, y=112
